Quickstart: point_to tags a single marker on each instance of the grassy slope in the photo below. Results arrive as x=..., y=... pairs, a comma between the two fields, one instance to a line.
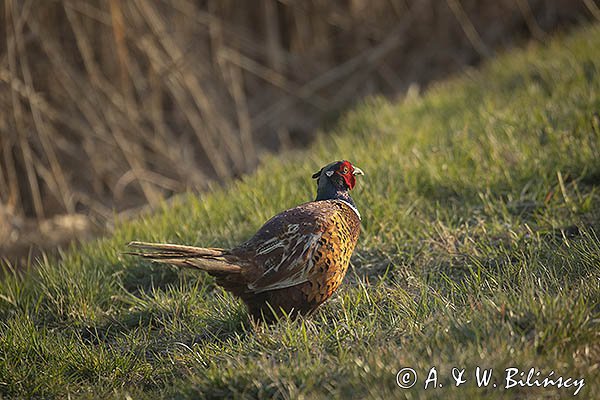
x=460, y=263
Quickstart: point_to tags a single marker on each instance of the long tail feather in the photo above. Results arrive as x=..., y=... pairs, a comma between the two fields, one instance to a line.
x=206, y=259
x=176, y=249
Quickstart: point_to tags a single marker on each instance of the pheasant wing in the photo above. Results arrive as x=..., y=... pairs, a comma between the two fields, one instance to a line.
x=282, y=250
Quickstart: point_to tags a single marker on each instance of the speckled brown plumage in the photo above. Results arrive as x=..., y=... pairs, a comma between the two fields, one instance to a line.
x=304, y=268
x=295, y=261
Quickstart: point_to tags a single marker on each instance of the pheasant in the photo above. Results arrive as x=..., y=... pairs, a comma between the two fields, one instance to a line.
x=295, y=261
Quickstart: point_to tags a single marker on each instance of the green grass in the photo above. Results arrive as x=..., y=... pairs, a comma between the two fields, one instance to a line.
x=480, y=247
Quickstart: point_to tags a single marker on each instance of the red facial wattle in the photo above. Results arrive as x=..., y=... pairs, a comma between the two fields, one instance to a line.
x=346, y=171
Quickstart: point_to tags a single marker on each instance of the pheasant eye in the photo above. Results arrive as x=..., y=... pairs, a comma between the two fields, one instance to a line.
x=345, y=170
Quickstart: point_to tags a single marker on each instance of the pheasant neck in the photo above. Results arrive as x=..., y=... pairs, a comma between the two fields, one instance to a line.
x=330, y=192
x=335, y=195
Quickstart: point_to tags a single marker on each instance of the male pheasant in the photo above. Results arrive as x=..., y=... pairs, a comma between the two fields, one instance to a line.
x=294, y=262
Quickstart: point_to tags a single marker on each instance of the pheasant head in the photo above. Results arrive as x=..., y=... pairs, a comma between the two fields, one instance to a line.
x=335, y=180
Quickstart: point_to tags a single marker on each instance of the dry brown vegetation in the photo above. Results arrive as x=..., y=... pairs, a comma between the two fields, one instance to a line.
x=114, y=104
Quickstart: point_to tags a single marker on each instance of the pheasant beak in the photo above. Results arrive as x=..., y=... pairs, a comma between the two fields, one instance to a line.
x=357, y=171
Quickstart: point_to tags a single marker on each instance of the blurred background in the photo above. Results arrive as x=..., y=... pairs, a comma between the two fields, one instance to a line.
x=109, y=106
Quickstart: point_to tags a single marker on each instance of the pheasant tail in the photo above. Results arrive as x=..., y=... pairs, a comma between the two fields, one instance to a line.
x=211, y=260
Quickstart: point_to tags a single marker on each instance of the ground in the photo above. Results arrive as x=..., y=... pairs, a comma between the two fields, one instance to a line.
x=479, y=248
